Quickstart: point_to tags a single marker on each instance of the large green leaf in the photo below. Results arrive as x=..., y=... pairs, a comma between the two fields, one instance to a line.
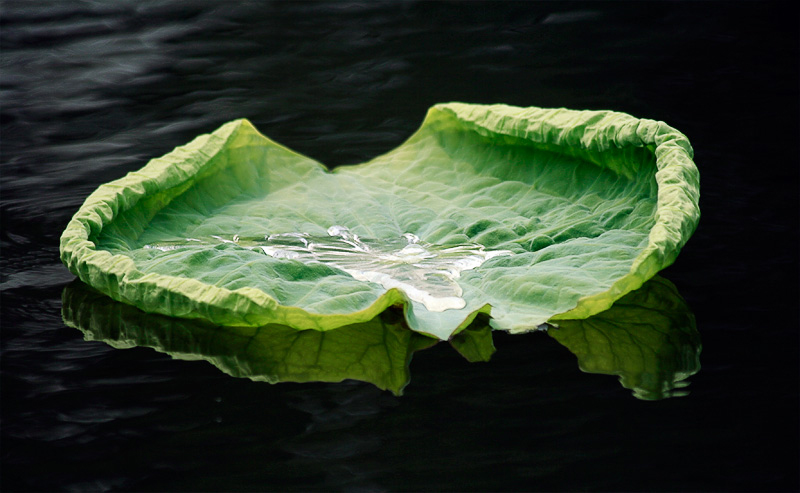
x=526, y=214
x=648, y=338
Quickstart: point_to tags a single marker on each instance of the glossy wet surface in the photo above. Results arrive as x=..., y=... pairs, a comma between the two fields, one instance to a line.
x=91, y=91
x=425, y=272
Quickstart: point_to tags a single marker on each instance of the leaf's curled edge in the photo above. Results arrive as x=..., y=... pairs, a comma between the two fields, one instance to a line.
x=612, y=141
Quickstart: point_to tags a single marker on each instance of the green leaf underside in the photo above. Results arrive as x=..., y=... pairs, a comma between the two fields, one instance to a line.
x=648, y=338
x=591, y=204
x=474, y=343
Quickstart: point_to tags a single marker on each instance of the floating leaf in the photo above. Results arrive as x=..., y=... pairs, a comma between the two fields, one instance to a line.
x=526, y=214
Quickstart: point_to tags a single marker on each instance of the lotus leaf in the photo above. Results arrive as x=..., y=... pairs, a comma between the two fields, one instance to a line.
x=528, y=215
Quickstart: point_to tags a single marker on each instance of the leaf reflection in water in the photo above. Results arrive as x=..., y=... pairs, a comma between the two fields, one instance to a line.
x=648, y=338
x=378, y=351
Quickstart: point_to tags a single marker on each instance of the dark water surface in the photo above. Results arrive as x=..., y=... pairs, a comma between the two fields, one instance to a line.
x=92, y=90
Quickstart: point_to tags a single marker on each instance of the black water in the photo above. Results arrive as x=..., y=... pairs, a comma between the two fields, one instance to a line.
x=91, y=90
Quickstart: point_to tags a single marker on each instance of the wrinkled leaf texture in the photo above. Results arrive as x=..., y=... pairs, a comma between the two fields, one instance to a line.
x=591, y=203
